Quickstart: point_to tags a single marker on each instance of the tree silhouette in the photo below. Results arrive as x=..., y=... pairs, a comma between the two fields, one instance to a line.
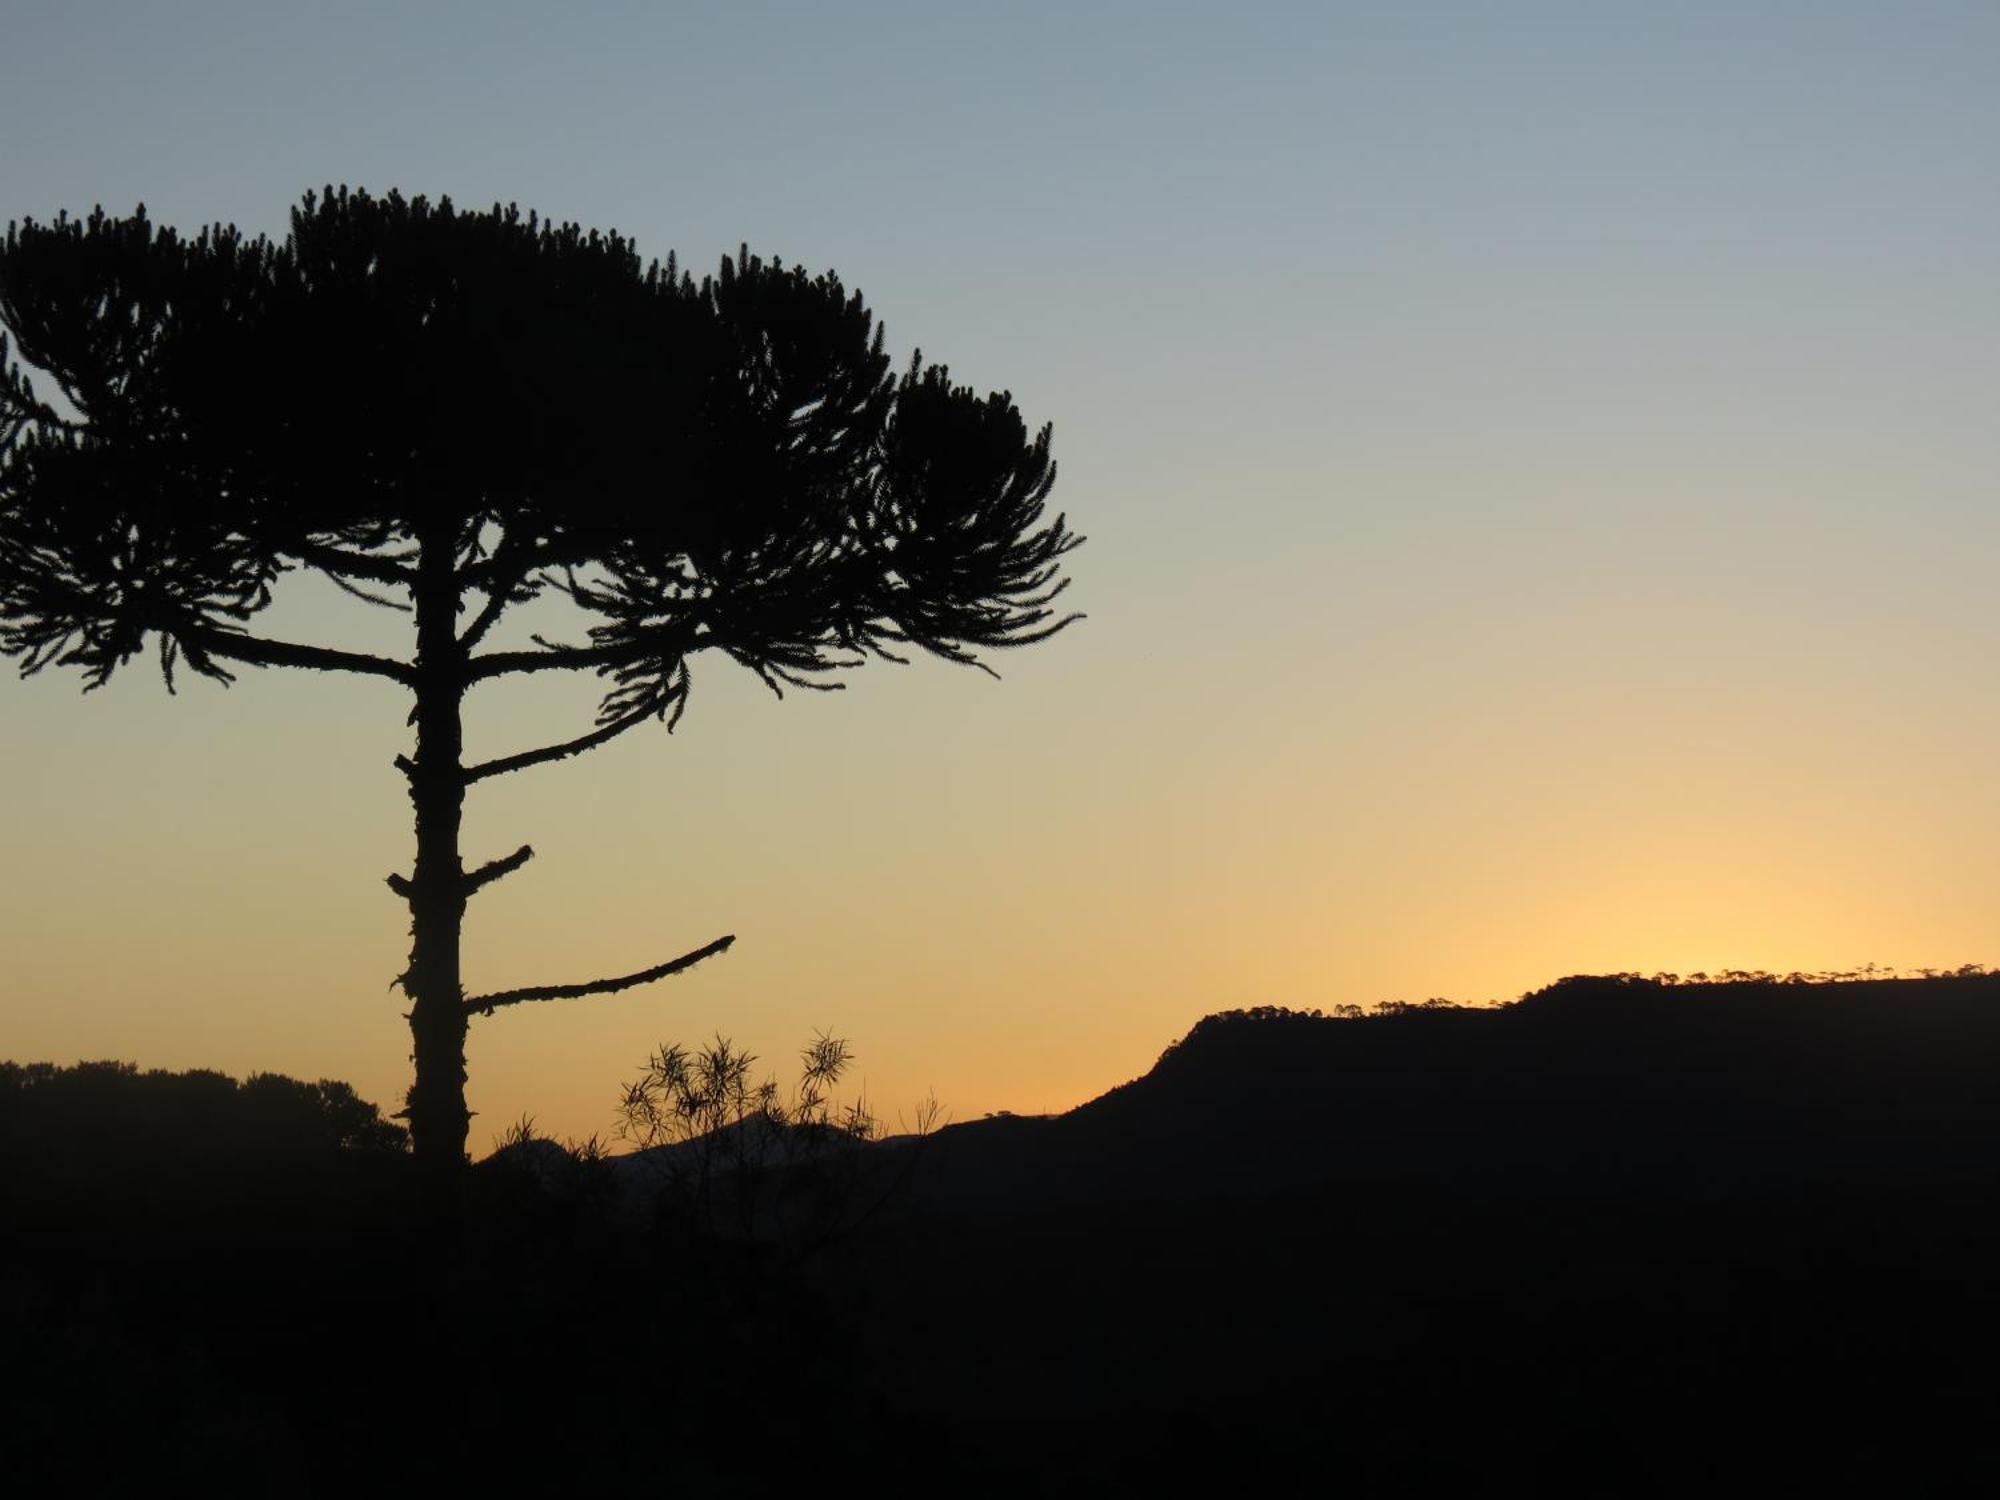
x=454, y=414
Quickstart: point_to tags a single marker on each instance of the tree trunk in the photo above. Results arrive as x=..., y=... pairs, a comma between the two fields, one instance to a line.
x=437, y=1113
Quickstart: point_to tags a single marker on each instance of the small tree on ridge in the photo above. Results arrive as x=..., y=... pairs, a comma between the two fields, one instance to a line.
x=454, y=414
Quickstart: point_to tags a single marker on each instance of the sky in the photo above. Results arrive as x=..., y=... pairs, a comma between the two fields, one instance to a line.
x=1538, y=463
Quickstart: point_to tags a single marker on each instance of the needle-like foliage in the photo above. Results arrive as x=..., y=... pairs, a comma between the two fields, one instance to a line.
x=453, y=414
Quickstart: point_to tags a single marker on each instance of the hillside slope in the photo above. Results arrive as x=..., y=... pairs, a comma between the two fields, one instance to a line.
x=1593, y=1086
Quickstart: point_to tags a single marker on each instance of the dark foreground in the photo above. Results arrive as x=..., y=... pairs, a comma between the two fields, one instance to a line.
x=1617, y=1239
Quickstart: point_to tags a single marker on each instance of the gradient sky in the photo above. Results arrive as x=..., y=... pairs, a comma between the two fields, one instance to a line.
x=1539, y=462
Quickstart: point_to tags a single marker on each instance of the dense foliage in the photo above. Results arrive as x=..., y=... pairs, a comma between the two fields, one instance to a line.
x=112, y=1109
x=727, y=464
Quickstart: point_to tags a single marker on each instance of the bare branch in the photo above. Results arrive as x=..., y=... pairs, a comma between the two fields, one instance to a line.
x=258, y=652
x=485, y=1005
x=486, y=874
x=400, y=885
x=563, y=751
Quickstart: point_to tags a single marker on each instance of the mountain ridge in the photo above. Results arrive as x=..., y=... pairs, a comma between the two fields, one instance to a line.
x=1595, y=1085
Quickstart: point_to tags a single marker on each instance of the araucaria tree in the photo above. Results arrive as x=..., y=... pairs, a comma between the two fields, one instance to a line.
x=454, y=414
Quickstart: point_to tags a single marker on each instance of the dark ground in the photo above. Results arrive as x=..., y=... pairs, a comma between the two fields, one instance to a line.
x=1618, y=1239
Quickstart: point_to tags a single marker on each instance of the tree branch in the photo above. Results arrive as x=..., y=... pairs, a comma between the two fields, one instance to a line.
x=551, y=659
x=258, y=652
x=517, y=564
x=496, y=604
x=364, y=596
x=487, y=873
x=500, y=576
x=582, y=658
x=354, y=564
x=563, y=751
x=485, y=1005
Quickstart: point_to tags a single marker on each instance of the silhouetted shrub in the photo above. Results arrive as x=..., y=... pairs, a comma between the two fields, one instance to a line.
x=723, y=1156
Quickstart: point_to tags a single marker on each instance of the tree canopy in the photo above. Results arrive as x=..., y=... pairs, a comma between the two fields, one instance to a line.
x=728, y=464
x=453, y=414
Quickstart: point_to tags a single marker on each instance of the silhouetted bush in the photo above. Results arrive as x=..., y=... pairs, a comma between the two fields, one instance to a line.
x=723, y=1155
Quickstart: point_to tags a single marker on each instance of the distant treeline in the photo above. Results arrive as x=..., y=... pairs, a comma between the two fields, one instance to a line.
x=112, y=1106
x=102, y=1145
